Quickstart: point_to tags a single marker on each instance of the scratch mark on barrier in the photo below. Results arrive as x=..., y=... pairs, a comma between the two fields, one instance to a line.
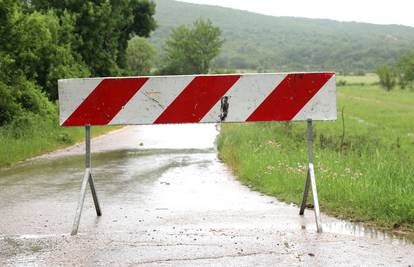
x=147, y=94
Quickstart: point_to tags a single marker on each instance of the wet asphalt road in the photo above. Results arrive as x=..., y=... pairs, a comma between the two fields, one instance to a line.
x=168, y=201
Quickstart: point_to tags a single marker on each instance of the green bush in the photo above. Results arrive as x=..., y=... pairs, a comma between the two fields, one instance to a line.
x=341, y=83
x=31, y=99
x=22, y=98
x=22, y=125
x=387, y=77
x=65, y=138
x=8, y=107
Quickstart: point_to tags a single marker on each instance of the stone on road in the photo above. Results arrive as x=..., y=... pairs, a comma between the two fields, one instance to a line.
x=167, y=200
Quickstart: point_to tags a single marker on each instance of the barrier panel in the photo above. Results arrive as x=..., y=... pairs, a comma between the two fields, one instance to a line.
x=197, y=99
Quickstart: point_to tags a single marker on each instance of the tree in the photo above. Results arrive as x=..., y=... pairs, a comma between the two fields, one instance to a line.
x=37, y=47
x=191, y=50
x=102, y=28
x=387, y=77
x=140, y=56
x=47, y=55
x=405, y=68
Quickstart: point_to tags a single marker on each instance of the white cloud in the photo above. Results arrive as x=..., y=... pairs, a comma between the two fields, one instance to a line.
x=371, y=11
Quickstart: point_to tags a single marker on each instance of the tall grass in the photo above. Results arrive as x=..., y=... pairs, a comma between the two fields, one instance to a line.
x=366, y=174
x=33, y=135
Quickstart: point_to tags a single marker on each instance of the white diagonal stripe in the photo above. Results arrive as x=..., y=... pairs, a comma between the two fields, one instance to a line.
x=322, y=106
x=151, y=100
x=72, y=93
x=245, y=96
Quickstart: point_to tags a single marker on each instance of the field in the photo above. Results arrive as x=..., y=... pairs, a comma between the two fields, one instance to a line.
x=36, y=136
x=364, y=163
x=367, y=79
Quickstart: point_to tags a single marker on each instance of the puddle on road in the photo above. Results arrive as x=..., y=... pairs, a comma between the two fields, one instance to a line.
x=145, y=174
x=360, y=230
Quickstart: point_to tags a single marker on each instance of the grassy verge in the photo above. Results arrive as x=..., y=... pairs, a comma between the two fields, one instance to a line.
x=35, y=135
x=366, y=174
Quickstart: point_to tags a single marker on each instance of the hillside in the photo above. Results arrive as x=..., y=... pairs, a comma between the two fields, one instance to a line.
x=254, y=41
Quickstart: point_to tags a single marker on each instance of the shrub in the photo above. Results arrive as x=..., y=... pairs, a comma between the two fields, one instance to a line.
x=8, y=108
x=341, y=83
x=31, y=99
x=22, y=125
x=387, y=77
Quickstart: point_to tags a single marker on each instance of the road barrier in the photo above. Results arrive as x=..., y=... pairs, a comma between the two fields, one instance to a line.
x=197, y=99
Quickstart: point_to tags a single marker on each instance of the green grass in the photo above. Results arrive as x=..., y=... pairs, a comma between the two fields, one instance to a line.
x=368, y=176
x=367, y=79
x=37, y=136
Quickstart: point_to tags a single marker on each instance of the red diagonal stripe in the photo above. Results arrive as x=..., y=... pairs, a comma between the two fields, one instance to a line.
x=290, y=96
x=108, y=98
x=197, y=99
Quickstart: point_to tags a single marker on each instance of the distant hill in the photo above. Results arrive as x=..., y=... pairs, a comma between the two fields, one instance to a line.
x=254, y=41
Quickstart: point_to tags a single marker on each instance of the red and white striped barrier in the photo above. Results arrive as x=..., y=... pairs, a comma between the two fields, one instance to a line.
x=197, y=99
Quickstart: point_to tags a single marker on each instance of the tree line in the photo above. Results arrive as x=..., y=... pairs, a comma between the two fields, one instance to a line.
x=264, y=43
x=401, y=73
x=42, y=41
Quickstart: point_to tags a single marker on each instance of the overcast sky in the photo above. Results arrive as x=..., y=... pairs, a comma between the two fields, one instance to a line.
x=379, y=11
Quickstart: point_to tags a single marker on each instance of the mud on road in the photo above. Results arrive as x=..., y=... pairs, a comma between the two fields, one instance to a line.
x=167, y=200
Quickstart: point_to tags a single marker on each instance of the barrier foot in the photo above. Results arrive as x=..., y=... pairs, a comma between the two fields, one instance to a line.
x=311, y=180
x=86, y=179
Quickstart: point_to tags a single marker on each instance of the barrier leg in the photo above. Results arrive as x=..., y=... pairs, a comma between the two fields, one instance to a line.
x=87, y=178
x=310, y=180
x=305, y=195
x=80, y=202
x=94, y=195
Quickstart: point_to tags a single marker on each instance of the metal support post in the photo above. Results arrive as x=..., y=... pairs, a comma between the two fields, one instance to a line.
x=87, y=178
x=310, y=180
x=88, y=166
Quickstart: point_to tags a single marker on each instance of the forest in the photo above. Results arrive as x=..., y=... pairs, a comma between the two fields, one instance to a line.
x=264, y=43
